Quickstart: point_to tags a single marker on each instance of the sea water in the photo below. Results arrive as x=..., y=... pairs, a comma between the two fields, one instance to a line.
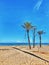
x=19, y=44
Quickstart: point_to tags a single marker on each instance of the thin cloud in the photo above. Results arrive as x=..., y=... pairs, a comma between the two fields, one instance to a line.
x=37, y=6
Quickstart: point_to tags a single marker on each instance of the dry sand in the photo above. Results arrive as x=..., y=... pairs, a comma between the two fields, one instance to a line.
x=11, y=56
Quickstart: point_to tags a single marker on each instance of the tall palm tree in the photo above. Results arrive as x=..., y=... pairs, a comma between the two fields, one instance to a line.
x=40, y=33
x=27, y=26
x=34, y=31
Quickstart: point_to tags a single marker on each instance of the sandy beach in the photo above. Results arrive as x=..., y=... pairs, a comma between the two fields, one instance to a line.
x=15, y=55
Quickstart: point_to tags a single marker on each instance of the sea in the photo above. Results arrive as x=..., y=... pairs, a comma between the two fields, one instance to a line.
x=20, y=44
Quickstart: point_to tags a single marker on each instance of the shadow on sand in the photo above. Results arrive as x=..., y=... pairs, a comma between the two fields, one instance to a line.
x=4, y=49
x=31, y=54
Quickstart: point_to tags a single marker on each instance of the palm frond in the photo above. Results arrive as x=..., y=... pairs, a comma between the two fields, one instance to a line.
x=40, y=32
x=23, y=26
x=27, y=26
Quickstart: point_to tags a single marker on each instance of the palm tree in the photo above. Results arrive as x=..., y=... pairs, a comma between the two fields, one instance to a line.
x=34, y=31
x=27, y=26
x=40, y=33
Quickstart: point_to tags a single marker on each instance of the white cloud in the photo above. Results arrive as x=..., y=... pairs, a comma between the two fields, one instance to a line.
x=37, y=6
x=18, y=41
x=31, y=40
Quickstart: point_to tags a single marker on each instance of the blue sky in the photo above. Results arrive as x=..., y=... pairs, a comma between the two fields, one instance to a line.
x=13, y=13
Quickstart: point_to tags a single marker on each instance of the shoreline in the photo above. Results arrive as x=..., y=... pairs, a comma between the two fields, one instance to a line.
x=24, y=45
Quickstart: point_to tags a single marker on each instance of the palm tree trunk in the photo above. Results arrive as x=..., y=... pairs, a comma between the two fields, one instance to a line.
x=34, y=38
x=40, y=40
x=28, y=39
